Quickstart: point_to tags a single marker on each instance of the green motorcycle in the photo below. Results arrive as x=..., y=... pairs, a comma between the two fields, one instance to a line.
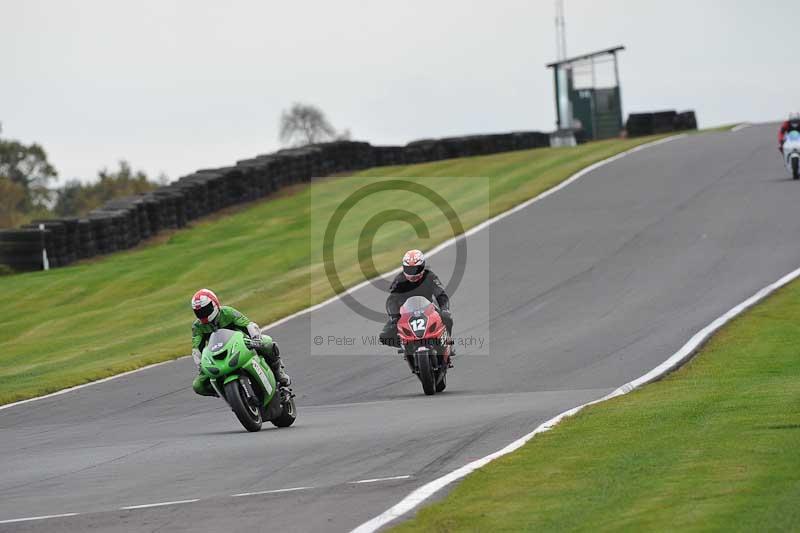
x=244, y=380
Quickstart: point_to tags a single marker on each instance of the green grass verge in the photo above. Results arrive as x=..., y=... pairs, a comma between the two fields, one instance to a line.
x=712, y=447
x=78, y=324
x=721, y=128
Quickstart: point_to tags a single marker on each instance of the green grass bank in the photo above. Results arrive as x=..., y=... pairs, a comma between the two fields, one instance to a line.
x=714, y=446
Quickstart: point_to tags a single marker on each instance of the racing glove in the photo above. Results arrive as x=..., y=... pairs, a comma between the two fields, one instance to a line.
x=253, y=342
x=196, y=357
x=255, y=336
x=253, y=330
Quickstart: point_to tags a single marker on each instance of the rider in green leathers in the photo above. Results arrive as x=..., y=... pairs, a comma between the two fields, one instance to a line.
x=212, y=316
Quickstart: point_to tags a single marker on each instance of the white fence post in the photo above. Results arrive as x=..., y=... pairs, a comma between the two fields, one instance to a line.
x=45, y=262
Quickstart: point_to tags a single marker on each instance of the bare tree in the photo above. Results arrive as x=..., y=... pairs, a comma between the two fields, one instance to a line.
x=305, y=124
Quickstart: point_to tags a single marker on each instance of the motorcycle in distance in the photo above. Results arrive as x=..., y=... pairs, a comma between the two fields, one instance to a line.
x=243, y=379
x=791, y=153
x=424, y=343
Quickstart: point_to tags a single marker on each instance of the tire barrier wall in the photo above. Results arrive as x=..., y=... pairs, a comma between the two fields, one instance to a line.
x=121, y=224
x=639, y=124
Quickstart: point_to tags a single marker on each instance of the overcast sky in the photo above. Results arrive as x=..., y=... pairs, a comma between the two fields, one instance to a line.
x=174, y=86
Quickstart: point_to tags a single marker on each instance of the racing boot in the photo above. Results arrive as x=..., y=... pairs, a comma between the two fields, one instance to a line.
x=280, y=372
x=202, y=386
x=447, y=318
x=272, y=355
x=388, y=336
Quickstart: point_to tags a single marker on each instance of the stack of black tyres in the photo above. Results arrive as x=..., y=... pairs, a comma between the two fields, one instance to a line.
x=64, y=239
x=86, y=241
x=526, y=140
x=21, y=249
x=55, y=241
x=123, y=223
x=389, y=156
x=194, y=189
x=103, y=229
x=664, y=121
x=686, y=121
x=639, y=124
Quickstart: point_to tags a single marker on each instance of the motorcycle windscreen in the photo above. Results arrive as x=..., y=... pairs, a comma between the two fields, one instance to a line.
x=219, y=339
x=414, y=304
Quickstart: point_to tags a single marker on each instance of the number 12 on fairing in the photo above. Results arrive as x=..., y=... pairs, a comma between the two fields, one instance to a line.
x=418, y=324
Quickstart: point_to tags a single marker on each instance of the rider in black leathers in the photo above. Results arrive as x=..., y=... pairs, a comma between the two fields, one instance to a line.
x=414, y=280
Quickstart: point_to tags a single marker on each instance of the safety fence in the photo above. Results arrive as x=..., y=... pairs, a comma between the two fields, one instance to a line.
x=123, y=223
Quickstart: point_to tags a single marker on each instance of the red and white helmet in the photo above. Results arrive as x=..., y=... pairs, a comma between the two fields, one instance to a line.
x=205, y=305
x=414, y=265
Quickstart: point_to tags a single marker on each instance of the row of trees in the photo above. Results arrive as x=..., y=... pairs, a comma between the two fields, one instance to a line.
x=76, y=198
x=26, y=175
x=26, y=192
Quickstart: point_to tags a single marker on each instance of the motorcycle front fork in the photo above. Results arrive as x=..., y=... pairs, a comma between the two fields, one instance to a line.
x=409, y=359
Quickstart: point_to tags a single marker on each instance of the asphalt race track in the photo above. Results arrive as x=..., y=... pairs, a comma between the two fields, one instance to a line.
x=577, y=294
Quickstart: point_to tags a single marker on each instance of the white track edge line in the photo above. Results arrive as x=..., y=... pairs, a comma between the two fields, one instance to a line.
x=43, y=517
x=273, y=491
x=159, y=504
x=578, y=175
x=741, y=126
x=677, y=359
x=375, y=480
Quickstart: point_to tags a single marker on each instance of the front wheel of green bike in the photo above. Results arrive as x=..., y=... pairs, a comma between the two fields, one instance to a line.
x=249, y=416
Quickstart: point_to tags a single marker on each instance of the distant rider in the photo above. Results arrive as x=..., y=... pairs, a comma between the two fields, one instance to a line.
x=414, y=280
x=212, y=316
x=793, y=124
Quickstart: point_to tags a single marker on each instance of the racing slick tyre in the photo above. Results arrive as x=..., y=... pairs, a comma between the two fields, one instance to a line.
x=795, y=169
x=248, y=415
x=426, y=374
x=287, y=416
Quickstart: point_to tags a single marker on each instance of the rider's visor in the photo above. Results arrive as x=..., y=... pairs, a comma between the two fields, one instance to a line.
x=205, y=311
x=413, y=270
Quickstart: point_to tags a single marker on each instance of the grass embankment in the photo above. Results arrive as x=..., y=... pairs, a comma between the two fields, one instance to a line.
x=81, y=323
x=721, y=128
x=714, y=446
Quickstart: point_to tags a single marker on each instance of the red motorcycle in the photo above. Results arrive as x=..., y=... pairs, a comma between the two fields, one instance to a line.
x=424, y=343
